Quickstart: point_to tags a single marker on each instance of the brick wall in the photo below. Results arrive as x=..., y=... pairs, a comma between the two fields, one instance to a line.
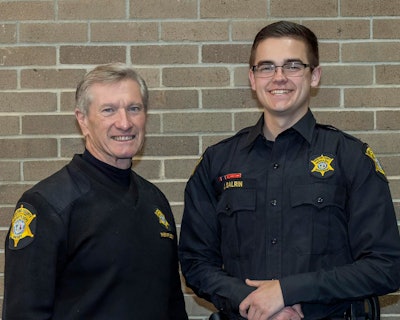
x=193, y=55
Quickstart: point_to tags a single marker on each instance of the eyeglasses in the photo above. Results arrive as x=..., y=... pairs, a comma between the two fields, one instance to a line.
x=289, y=69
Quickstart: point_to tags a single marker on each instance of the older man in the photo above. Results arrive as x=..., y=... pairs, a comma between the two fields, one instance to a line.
x=95, y=240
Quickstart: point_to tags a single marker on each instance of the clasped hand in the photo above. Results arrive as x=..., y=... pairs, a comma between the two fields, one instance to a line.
x=266, y=303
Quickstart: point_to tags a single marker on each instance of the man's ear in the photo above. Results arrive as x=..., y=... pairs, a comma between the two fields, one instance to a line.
x=316, y=76
x=81, y=119
x=252, y=80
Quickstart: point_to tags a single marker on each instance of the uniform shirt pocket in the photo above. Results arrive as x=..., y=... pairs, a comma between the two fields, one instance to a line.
x=236, y=216
x=236, y=200
x=319, y=220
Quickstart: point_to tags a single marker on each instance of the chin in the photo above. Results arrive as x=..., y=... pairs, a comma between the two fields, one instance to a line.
x=125, y=156
x=126, y=151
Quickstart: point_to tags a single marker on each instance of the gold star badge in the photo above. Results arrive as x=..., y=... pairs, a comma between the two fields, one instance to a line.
x=322, y=164
x=20, y=227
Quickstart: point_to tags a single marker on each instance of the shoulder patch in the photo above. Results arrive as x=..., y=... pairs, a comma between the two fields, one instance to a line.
x=23, y=226
x=378, y=168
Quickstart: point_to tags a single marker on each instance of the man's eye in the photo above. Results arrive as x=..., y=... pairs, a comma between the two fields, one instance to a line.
x=266, y=68
x=135, y=108
x=107, y=110
x=293, y=66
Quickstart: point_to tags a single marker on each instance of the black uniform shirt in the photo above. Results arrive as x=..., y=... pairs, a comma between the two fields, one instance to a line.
x=311, y=209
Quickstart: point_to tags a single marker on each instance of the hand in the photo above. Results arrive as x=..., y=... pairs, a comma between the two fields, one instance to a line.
x=264, y=302
x=289, y=313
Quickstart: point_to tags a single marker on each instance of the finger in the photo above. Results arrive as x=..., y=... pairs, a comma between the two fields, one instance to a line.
x=297, y=307
x=286, y=314
x=252, y=314
x=243, y=308
x=253, y=283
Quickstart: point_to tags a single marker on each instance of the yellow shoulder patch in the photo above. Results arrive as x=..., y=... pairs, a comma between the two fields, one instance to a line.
x=378, y=166
x=21, y=232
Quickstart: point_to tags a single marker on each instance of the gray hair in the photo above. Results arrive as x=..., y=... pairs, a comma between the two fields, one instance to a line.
x=108, y=74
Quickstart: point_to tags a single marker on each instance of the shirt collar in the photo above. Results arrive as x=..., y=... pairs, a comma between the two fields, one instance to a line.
x=305, y=127
x=254, y=132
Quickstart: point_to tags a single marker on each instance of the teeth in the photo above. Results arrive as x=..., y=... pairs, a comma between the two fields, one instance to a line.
x=123, y=138
x=280, y=91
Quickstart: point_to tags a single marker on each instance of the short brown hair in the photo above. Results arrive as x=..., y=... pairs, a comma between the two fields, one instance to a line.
x=289, y=29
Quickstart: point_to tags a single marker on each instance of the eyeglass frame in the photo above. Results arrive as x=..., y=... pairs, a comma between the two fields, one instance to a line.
x=305, y=65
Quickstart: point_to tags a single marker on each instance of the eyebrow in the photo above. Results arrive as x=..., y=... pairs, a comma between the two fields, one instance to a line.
x=285, y=61
x=116, y=105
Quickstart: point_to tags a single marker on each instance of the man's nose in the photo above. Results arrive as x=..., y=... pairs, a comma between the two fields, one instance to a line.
x=123, y=120
x=279, y=73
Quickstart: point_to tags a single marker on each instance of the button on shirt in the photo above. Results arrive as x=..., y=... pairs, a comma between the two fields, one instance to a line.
x=301, y=209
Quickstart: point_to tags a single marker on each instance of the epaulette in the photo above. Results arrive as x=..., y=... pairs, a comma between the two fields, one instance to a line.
x=364, y=147
x=327, y=126
x=237, y=134
x=332, y=128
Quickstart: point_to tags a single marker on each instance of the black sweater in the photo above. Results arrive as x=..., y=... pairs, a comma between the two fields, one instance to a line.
x=99, y=249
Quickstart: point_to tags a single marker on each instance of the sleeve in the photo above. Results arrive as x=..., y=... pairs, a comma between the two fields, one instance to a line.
x=32, y=255
x=373, y=240
x=176, y=300
x=199, y=247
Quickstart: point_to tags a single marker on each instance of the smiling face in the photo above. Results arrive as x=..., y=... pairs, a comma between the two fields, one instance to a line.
x=114, y=126
x=282, y=96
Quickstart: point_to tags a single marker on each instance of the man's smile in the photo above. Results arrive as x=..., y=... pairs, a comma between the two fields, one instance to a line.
x=280, y=91
x=123, y=138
